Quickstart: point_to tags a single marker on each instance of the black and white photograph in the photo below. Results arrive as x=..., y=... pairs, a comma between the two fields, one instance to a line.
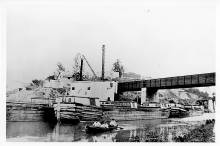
x=109, y=71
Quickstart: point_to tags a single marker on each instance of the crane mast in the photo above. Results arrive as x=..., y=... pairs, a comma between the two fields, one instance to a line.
x=89, y=66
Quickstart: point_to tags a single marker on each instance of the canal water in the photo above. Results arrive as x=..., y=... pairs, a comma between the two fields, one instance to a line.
x=159, y=130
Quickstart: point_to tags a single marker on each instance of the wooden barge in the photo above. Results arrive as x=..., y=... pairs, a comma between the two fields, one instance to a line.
x=68, y=110
x=126, y=111
x=21, y=111
x=177, y=112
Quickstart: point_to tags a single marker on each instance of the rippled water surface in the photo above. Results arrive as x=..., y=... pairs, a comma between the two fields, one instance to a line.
x=143, y=130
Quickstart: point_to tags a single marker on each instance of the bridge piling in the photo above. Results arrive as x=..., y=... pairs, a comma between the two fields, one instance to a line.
x=148, y=95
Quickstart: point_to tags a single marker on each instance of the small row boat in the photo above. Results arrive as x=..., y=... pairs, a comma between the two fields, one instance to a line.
x=177, y=112
x=93, y=129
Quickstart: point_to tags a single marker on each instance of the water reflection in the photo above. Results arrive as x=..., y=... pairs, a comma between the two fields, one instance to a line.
x=133, y=131
x=105, y=137
x=153, y=132
x=68, y=132
x=31, y=129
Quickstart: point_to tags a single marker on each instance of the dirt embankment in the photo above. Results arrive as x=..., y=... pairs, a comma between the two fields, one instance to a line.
x=37, y=95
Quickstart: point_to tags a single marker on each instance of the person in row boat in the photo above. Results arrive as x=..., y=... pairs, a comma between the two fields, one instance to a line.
x=113, y=123
x=97, y=124
x=104, y=124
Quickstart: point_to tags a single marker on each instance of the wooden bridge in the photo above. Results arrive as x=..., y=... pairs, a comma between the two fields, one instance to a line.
x=188, y=81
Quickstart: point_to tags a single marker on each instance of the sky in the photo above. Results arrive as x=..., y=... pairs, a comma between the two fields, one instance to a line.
x=151, y=38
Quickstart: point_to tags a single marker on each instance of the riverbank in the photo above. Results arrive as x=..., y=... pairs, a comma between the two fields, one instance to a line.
x=203, y=117
x=203, y=133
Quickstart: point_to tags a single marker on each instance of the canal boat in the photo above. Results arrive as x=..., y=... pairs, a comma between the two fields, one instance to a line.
x=178, y=112
x=130, y=110
x=68, y=110
x=94, y=130
x=83, y=101
x=107, y=105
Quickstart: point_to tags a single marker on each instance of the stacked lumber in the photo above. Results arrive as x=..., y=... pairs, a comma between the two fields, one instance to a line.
x=88, y=113
x=77, y=111
x=66, y=112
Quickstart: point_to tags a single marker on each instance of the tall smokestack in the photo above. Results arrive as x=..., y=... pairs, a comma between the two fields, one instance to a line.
x=103, y=62
x=81, y=70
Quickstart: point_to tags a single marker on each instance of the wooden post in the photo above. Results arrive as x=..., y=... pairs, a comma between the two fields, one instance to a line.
x=143, y=95
x=58, y=110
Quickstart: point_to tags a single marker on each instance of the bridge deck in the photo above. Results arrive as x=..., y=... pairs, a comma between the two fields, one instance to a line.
x=188, y=81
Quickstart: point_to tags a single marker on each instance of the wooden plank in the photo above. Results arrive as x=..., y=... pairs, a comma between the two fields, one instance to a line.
x=68, y=110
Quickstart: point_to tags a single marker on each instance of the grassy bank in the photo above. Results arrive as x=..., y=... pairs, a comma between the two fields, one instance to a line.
x=203, y=133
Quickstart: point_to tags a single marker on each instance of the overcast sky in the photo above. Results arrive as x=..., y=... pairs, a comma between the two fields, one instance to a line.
x=151, y=39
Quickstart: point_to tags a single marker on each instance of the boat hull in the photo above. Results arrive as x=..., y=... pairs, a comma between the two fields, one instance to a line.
x=130, y=115
x=91, y=129
x=178, y=113
x=73, y=112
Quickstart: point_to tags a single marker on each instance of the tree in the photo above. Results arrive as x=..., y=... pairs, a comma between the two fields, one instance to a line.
x=60, y=68
x=198, y=92
x=50, y=77
x=118, y=67
x=77, y=63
